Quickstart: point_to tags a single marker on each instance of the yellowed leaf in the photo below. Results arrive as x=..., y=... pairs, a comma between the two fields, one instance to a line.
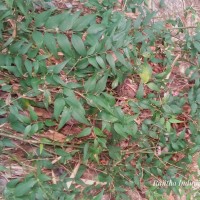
x=146, y=73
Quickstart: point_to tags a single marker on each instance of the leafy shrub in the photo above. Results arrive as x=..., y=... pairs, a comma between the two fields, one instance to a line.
x=70, y=63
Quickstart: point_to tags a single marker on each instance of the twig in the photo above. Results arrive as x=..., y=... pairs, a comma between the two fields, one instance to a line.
x=36, y=142
x=186, y=27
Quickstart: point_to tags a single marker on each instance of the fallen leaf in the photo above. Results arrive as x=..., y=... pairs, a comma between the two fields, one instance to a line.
x=55, y=136
x=73, y=174
x=43, y=113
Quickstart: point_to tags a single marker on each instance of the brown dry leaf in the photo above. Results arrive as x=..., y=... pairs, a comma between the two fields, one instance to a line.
x=8, y=100
x=14, y=26
x=92, y=182
x=153, y=48
x=127, y=89
x=43, y=113
x=131, y=15
x=56, y=160
x=55, y=136
x=54, y=181
x=73, y=174
x=71, y=128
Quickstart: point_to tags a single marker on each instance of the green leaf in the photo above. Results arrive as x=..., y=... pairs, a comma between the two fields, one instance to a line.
x=98, y=132
x=137, y=22
x=101, y=62
x=98, y=101
x=66, y=115
x=9, y=3
x=47, y=98
x=38, y=38
x=90, y=84
x=111, y=62
x=50, y=42
x=40, y=19
x=140, y=92
x=57, y=68
x=27, y=130
x=95, y=28
x=101, y=84
x=99, y=196
x=137, y=181
x=64, y=44
x=2, y=168
x=29, y=66
x=197, y=45
x=18, y=63
x=194, y=107
x=8, y=42
x=93, y=62
x=21, y=5
x=198, y=162
x=85, y=152
x=25, y=187
x=173, y=120
x=33, y=114
x=75, y=104
x=67, y=24
x=121, y=58
x=84, y=133
x=55, y=21
x=197, y=140
x=114, y=152
x=153, y=86
x=102, y=142
x=11, y=69
x=78, y=45
x=77, y=115
x=120, y=130
x=82, y=22
x=198, y=98
x=59, y=105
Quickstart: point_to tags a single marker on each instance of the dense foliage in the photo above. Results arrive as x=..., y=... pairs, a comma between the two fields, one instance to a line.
x=71, y=64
